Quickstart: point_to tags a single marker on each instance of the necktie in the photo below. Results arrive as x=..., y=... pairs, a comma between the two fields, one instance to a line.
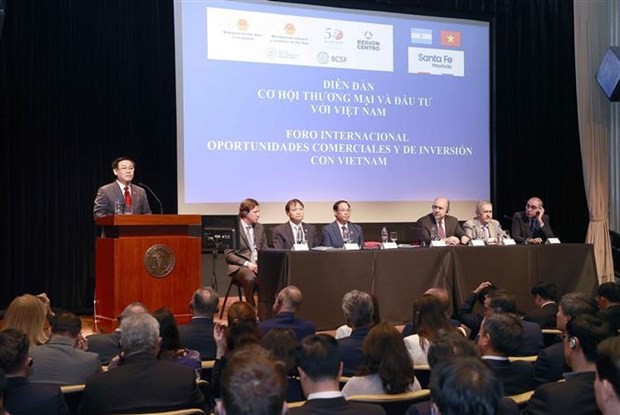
x=300, y=235
x=250, y=234
x=441, y=231
x=532, y=225
x=127, y=196
x=486, y=231
x=345, y=234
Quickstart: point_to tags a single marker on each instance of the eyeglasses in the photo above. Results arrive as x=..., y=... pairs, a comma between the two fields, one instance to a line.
x=344, y=210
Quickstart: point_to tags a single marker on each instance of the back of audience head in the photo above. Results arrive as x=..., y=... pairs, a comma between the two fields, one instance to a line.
x=66, y=324
x=288, y=299
x=442, y=295
x=204, y=302
x=504, y=331
x=547, y=291
x=28, y=314
x=450, y=345
x=386, y=354
x=430, y=317
x=608, y=294
x=607, y=383
x=465, y=387
x=253, y=383
x=242, y=326
x=501, y=301
x=586, y=332
x=358, y=309
x=319, y=357
x=168, y=331
x=132, y=309
x=140, y=334
x=573, y=305
x=14, y=360
x=281, y=343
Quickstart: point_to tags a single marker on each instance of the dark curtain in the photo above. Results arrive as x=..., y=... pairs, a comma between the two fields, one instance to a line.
x=82, y=82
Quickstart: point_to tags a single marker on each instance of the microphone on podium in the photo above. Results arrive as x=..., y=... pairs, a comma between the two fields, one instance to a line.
x=161, y=206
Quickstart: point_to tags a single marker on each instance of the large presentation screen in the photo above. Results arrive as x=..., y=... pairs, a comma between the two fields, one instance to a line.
x=279, y=101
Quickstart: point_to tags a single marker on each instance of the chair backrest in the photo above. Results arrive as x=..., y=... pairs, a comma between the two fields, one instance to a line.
x=522, y=399
x=393, y=404
x=423, y=375
x=190, y=411
x=530, y=359
x=73, y=396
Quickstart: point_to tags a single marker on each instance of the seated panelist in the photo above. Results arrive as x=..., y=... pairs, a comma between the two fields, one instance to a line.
x=441, y=226
x=341, y=231
x=531, y=226
x=483, y=226
x=295, y=231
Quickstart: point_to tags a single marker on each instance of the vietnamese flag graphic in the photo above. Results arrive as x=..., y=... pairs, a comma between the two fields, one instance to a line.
x=450, y=38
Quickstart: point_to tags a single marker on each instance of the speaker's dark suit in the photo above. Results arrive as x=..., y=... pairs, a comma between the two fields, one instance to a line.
x=517, y=377
x=575, y=396
x=302, y=328
x=336, y=406
x=142, y=384
x=111, y=192
x=451, y=225
x=22, y=397
x=332, y=235
x=282, y=236
x=106, y=345
x=544, y=316
x=198, y=335
x=521, y=228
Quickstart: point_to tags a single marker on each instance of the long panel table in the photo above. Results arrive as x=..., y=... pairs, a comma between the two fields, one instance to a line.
x=398, y=276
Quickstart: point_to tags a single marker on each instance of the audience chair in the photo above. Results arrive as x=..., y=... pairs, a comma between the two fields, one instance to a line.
x=551, y=336
x=296, y=404
x=393, y=404
x=230, y=285
x=530, y=359
x=522, y=399
x=190, y=411
x=423, y=375
x=73, y=396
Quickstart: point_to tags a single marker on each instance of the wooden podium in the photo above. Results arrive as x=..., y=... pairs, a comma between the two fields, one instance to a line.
x=153, y=259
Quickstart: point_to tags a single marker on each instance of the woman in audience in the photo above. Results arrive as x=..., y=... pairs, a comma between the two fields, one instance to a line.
x=429, y=317
x=387, y=366
x=171, y=348
x=282, y=343
x=28, y=314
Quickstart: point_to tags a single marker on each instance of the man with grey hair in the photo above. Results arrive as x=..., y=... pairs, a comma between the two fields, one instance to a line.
x=198, y=333
x=141, y=382
x=107, y=345
x=287, y=302
x=483, y=226
x=358, y=311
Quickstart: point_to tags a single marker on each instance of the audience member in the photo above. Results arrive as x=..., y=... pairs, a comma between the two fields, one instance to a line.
x=441, y=226
x=28, y=314
x=576, y=394
x=295, y=231
x=286, y=305
x=22, y=397
x=358, y=311
x=483, y=226
x=2, y=389
x=345, y=330
x=503, y=301
x=430, y=319
x=198, y=333
x=499, y=337
x=242, y=263
x=545, y=296
x=531, y=226
x=607, y=382
x=444, y=298
x=60, y=361
x=252, y=384
x=281, y=343
x=320, y=368
x=609, y=304
x=550, y=364
x=141, y=383
x=466, y=314
x=108, y=345
x=341, y=231
x=170, y=347
x=387, y=366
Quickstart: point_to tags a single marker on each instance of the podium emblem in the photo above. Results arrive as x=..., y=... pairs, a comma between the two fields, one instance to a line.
x=159, y=260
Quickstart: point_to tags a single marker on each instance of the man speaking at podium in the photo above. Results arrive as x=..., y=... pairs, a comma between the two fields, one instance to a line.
x=121, y=196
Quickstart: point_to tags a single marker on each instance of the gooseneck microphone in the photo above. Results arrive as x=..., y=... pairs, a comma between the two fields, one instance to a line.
x=161, y=206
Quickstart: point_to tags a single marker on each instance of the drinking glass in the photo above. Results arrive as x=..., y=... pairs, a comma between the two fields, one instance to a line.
x=393, y=236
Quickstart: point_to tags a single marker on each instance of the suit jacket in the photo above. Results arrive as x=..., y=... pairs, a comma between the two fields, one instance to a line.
x=507, y=407
x=198, y=335
x=521, y=228
x=451, y=224
x=612, y=315
x=111, y=192
x=351, y=350
x=575, y=396
x=475, y=230
x=282, y=236
x=532, y=341
x=332, y=235
x=336, y=406
x=465, y=314
x=517, y=377
x=236, y=259
x=545, y=316
x=550, y=364
x=141, y=384
x=22, y=397
x=106, y=345
x=59, y=362
x=302, y=328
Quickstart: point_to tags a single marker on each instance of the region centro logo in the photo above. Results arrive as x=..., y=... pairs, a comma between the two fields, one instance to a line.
x=290, y=29
x=242, y=24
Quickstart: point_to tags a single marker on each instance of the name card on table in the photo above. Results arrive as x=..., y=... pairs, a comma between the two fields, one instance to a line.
x=389, y=245
x=351, y=247
x=438, y=243
x=553, y=241
x=508, y=241
x=301, y=247
x=476, y=242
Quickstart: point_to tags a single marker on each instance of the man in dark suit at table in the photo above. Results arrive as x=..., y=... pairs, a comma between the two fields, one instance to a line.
x=132, y=198
x=341, y=231
x=531, y=226
x=441, y=226
x=242, y=263
x=295, y=231
x=198, y=333
x=545, y=297
x=320, y=369
x=287, y=302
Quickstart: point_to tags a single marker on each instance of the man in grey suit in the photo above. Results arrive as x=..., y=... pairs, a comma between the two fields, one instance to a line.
x=295, y=231
x=341, y=231
x=242, y=263
x=441, y=226
x=483, y=226
x=131, y=198
x=60, y=361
